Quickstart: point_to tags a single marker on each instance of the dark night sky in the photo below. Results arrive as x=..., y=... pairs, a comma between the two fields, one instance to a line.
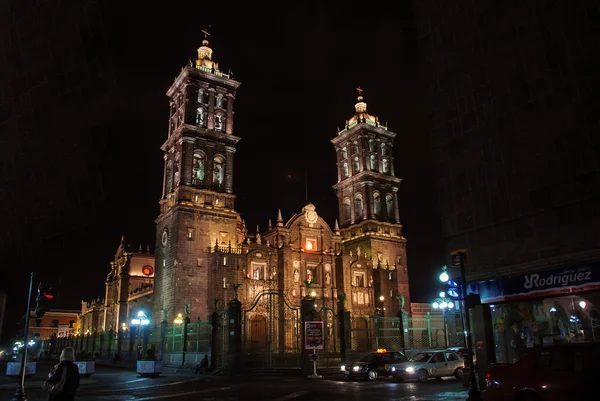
x=298, y=63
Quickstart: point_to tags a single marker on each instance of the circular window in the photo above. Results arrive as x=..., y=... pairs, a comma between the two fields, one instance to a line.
x=148, y=270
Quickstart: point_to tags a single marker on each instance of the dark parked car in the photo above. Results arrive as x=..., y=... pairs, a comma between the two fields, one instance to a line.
x=463, y=352
x=373, y=365
x=557, y=372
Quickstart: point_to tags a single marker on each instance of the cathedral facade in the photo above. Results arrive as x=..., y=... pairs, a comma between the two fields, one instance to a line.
x=205, y=255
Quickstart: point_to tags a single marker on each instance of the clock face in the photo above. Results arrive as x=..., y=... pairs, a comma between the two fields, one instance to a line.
x=147, y=270
x=165, y=238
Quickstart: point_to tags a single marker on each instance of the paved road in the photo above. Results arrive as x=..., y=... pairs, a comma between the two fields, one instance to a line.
x=123, y=385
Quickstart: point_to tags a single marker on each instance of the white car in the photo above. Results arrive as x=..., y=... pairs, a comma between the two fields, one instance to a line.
x=424, y=365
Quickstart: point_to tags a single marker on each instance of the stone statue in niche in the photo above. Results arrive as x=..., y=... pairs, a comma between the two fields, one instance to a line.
x=258, y=240
x=200, y=117
x=296, y=276
x=371, y=282
x=218, y=122
x=358, y=251
x=327, y=278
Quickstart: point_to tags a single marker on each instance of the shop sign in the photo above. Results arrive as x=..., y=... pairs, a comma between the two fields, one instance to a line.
x=538, y=282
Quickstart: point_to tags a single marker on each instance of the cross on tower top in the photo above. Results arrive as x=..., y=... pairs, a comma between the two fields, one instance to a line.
x=206, y=32
x=360, y=91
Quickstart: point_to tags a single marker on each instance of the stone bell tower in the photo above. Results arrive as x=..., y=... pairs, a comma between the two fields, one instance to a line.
x=367, y=191
x=197, y=210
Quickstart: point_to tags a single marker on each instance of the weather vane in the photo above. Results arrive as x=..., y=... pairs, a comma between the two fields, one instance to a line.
x=360, y=91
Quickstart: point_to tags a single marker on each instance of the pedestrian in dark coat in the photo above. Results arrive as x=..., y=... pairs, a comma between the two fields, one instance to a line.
x=65, y=375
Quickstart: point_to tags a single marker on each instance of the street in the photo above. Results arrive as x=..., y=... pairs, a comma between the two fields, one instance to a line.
x=109, y=384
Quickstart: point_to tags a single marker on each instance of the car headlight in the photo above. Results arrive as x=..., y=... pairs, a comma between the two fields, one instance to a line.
x=343, y=368
x=410, y=369
x=356, y=368
x=393, y=368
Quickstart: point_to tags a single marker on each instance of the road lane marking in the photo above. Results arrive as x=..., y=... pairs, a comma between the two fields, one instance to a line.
x=136, y=388
x=160, y=397
x=290, y=396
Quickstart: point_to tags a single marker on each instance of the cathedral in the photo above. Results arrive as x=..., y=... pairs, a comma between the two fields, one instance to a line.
x=204, y=254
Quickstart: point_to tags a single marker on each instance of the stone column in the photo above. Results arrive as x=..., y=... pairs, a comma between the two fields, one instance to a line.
x=210, y=118
x=339, y=170
x=361, y=155
x=164, y=186
x=396, y=208
x=187, y=154
x=186, y=104
x=229, y=169
x=229, y=122
x=369, y=200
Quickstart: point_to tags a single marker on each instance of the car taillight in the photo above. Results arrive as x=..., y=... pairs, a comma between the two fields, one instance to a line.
x=488, y=380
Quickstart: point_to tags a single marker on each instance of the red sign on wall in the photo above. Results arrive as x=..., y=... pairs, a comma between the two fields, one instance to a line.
x=313, y=335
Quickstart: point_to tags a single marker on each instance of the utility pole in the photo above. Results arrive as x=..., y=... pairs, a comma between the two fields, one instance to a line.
x=20, y=393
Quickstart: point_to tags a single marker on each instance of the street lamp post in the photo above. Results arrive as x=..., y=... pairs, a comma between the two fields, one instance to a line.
x=444, y=305
x=141, y=321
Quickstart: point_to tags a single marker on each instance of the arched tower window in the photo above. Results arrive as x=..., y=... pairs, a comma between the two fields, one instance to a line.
x=219, y=100
x=377, y=203
x=354, y=148
x=355, y=166
x=372, y=147
x=198, y=168
x=200, y=98
x=344, y=153
x=200, y=117
x=383, y=149
x=218, y=171
x=345, y=168
x=373, y=162
x=347, y=209
x=389, y=206
x=386, y=166
x=358, y=207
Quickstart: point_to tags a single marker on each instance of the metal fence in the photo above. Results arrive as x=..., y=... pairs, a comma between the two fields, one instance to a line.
x=131, y=344
x=392, y=333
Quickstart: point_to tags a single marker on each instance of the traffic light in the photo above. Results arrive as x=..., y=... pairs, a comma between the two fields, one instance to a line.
x=45, y=295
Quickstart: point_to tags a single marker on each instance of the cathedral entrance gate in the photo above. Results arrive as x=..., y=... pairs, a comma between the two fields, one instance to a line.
x=271, y=332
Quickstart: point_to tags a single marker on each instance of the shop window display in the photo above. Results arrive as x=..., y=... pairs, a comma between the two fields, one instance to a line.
x=525, y=324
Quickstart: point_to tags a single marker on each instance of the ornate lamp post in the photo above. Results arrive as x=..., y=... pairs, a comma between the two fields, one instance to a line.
x=443, y=304
x=141, y=322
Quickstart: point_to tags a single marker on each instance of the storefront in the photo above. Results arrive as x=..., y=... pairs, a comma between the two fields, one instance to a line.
x=558, y=305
